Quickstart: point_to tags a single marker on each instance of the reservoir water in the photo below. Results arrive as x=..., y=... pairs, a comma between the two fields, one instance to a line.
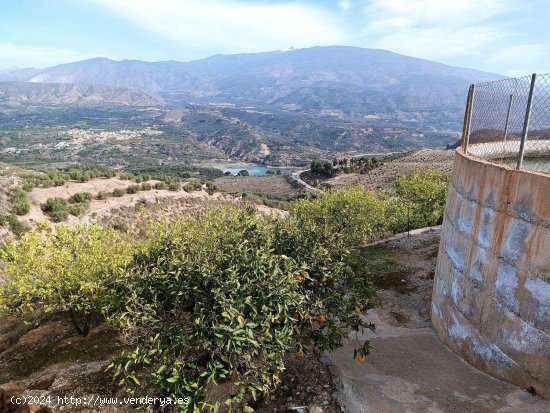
x=252, y=168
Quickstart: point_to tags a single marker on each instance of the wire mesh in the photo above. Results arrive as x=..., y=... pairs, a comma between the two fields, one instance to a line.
x=501, y=116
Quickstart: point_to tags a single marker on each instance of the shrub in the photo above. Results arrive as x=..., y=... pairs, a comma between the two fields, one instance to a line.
x=15, y=226
x=160, y=185
x=65, y=271
x=211, y=187
x=108, y=173
x=424, y=193
x=28, y=186
x=57, y=208
x=207, y=301
x=81, y=197
x=59, y=182
x=102, y=195
x=84, y=177
x=118, y=192
x=193, y=185
x=145, y=186
x=174, y=186
x=126, y=176
x=243, y=172
x=47, y=183
x=78, y=208
x=19, y=201
x=133, y=189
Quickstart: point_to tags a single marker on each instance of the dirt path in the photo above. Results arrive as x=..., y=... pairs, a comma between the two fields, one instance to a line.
x=296, y=177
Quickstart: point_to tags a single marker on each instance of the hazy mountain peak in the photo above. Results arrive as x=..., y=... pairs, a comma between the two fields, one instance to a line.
x=356, y=81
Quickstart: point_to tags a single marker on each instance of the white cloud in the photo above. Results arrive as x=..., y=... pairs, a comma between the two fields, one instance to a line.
x=521, y=59
x=439, y=12
x=436, y=29
x=231, y=26
x=487, y=34
x=344, y=5
x=25, y=56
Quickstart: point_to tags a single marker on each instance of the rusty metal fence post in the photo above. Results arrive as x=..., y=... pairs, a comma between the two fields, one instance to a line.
x=468, y=118
x=526, y=121
x=465, y=123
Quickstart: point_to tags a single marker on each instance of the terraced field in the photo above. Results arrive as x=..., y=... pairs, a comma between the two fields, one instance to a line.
x=271, y=185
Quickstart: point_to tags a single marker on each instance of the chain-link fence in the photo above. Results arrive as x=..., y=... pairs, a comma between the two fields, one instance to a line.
x=508, y=121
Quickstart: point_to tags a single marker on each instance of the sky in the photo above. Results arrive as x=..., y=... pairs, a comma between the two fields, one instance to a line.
x=510, y=37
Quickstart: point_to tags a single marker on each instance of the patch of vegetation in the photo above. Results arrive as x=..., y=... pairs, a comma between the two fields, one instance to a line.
x=57, y=208
x=19, y=201
x=81, y=197
x=59, y=178
x=424, y=193
x=174, y=186
x=62, y=271
x=133, y=189
x=376, y=263
x=118, y=192
x=79, y=208
x=15, y=226
x=211, y=187
x=360, y=165
x=192, y=185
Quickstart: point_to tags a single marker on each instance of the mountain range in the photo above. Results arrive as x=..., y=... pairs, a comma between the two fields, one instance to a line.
x=70, y=93
x=346, y=82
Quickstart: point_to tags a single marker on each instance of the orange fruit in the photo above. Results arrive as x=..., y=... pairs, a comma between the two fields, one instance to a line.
x=299, y=277
x=299, y=354
x=357, y=310
x=321, y=318
x=361, y=358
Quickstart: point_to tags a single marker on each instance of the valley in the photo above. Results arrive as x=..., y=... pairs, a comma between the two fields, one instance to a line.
x=188, y=141
x=222, y=228
x=279, y=109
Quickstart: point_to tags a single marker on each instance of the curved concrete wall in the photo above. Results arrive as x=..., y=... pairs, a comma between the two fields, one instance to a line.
x=491, y=297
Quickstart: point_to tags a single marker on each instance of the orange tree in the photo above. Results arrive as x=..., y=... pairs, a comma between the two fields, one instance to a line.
x=221, y=297
x=208, y=301
x=320, y=233
x=422, y=194
x=61, y=271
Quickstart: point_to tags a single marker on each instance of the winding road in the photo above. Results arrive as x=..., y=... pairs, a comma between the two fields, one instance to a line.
x=296, y=175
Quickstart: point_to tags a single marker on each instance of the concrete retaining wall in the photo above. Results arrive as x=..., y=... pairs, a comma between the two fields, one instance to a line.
x=491, y=297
